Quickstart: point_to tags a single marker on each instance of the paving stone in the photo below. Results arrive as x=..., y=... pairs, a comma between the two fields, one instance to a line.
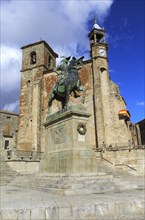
x=52, y=213
x=9, y=214
x=24, y=214
x=37, y=214
x=65, y=213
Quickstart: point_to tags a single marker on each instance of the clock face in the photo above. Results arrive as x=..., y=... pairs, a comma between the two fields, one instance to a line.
x=102, y=52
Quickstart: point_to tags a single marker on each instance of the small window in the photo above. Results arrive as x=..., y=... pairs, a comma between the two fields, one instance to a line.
x=6, y=144
x=33, y=57
x=49, y=61
x=7, y=129
x=102, y=69
x=8, y=117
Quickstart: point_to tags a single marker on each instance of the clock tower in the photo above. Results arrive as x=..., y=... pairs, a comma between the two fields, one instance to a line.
x=101, y=84
x=111, y=118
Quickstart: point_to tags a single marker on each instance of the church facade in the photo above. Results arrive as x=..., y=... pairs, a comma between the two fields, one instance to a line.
x=109, y=124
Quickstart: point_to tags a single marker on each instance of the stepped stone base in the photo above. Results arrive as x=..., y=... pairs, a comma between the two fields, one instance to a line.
x=76, y=184
x=73, y=184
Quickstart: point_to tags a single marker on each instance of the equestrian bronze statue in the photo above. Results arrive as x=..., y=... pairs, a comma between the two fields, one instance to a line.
x=68, y=81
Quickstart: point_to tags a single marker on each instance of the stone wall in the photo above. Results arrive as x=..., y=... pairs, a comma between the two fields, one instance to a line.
x=141, y=125
x=131, y=160
x=8, y=131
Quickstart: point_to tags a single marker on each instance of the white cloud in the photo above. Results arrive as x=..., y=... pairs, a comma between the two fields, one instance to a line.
x=10, y=68
x=12, y=106
x=63, y=24
x=58, y=22
x=140, y=103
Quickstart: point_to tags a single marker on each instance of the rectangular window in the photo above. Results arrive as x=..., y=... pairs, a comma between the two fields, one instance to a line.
x=6, y=144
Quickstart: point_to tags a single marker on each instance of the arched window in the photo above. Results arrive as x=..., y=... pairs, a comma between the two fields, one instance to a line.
x=102, y=69
x=49, y=61
x=33, y=57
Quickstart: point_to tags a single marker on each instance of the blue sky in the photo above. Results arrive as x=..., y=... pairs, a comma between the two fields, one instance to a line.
x=125, y=26
x=24, y=22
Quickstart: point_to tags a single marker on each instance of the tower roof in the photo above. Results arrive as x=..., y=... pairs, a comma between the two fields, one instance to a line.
x=41, y=42
x=8, y=112
x=96, y=30
x=96, y=26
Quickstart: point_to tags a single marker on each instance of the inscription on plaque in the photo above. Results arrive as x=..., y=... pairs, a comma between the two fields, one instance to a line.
x=58, y=135
x=81, y=137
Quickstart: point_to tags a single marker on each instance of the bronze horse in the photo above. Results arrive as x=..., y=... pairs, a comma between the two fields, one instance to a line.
x=68, y=81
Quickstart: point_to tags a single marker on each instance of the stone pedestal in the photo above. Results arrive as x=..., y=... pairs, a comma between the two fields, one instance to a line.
x=67, y=143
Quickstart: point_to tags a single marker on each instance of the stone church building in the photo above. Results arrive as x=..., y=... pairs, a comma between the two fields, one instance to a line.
x=109, y=124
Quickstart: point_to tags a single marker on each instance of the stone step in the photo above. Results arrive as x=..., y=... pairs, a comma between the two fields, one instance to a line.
x=28, y=204
x=68, y=187
x=6, y=172
x=106, y=179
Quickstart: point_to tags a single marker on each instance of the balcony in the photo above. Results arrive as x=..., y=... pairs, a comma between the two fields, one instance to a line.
x=124, y=114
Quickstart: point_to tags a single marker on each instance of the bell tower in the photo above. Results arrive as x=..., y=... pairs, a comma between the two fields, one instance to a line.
x=38, y=55
x=37, y=58
x=112, y=119
x=101, y=81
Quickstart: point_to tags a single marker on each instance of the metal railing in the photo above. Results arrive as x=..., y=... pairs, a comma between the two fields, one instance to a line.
x=119, y=146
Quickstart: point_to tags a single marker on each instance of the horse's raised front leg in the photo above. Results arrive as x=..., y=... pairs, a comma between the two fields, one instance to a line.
x=81, y=88
x=51, y=98
x=49, y=105
x=66, y=100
